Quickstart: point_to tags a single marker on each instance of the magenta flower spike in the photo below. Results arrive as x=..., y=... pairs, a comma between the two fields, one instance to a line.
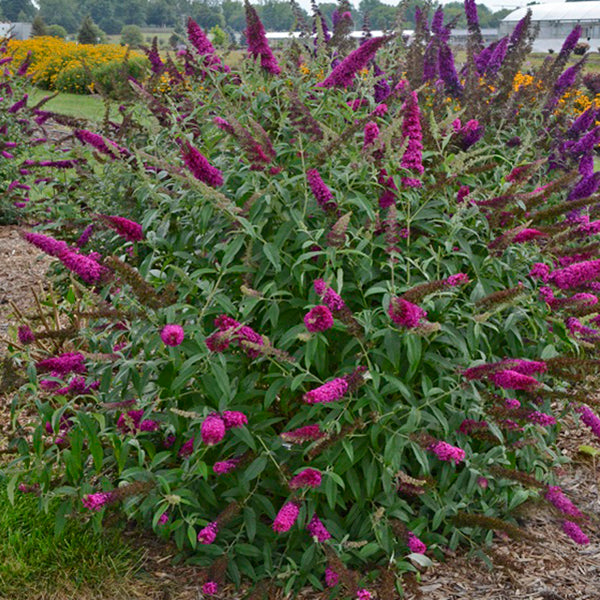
x=344, y=73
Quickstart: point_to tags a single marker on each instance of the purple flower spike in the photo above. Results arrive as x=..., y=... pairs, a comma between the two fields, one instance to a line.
x=258, y=46
x=199, y=166
x=344, y=73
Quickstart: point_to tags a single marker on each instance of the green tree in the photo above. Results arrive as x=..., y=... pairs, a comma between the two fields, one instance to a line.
x=234, y=14
x=161, y=13
x=208, y=14
x=11, y=9
x=65, y=13
x=381, y=16
x=57, y=31
x=276, y=15
x=132, y=36
x=219, y=38
x=132, y=12
x=38, y=26
x=88, y=31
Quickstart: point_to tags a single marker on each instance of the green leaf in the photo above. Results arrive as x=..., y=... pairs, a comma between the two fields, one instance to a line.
x=589, y=450
x=255, y=469
x=420, y=559
x=272, y=253
x=250, y=522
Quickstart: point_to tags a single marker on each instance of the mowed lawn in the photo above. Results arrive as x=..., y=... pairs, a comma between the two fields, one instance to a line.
x=90, y=107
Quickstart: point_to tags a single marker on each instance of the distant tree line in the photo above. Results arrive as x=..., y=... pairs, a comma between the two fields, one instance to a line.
x=277, y=15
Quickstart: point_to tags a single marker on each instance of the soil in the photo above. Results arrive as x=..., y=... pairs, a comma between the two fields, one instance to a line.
x=553, y=568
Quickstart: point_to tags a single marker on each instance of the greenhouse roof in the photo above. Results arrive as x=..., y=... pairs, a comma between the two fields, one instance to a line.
x=555, y=11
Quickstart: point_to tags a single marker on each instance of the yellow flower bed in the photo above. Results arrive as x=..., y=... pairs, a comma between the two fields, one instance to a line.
x=52, y=57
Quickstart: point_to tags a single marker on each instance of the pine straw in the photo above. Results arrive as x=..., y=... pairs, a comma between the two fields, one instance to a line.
x=22, y=267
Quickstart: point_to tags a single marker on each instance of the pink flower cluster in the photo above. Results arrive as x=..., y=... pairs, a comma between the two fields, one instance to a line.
x=447, y=452
x=230, y=330
x=519, y=365
x=575, y=533
x=513, y=380
x=320, y=191
x=556, y=496
x=344, y=72
x=286, y=517
x=186, y=448
x=303, y=434
x=331, y=298
x=575, y=275
x=101, y=144
x=405, y=313
x=126, y=228
x=210, y=588
x=131, y=421
x=225, y=466
x=331, y=577
x=306, y=478
x=199, y=166
x=77, y=385
x=411, y=129
x=540, y=271
x=526, y=235
x=388, y=196
x=456, y=280
x=213, y=428
x=172, y=335
x=415, y=545
x=46, y=244
x=203, y=46
x=317, y=530
x=86, y=267
x=318, y=319
x=371, y=134
x=328, y=392
x=363, y=594
x=589, y=418
x=89, y=269
x=580, y=299
x=97, y=501
x=25, y=335
x=577, y=328
x=69, y=362
x=209, y=533
x=541, y=418
x=258, y=46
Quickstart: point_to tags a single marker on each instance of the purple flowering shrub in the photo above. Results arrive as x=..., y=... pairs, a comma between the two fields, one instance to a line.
x=307, y=359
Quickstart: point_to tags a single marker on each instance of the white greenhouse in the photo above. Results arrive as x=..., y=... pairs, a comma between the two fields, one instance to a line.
x=556, y=21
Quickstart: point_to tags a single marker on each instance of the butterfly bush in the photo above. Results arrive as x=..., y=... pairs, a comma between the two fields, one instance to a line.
x=384, y=328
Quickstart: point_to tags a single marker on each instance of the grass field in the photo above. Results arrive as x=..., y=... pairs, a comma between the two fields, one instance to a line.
x=74, y=105
x=78, y=564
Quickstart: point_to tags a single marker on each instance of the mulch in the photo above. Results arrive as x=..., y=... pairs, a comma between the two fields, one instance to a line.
x=553, y=568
